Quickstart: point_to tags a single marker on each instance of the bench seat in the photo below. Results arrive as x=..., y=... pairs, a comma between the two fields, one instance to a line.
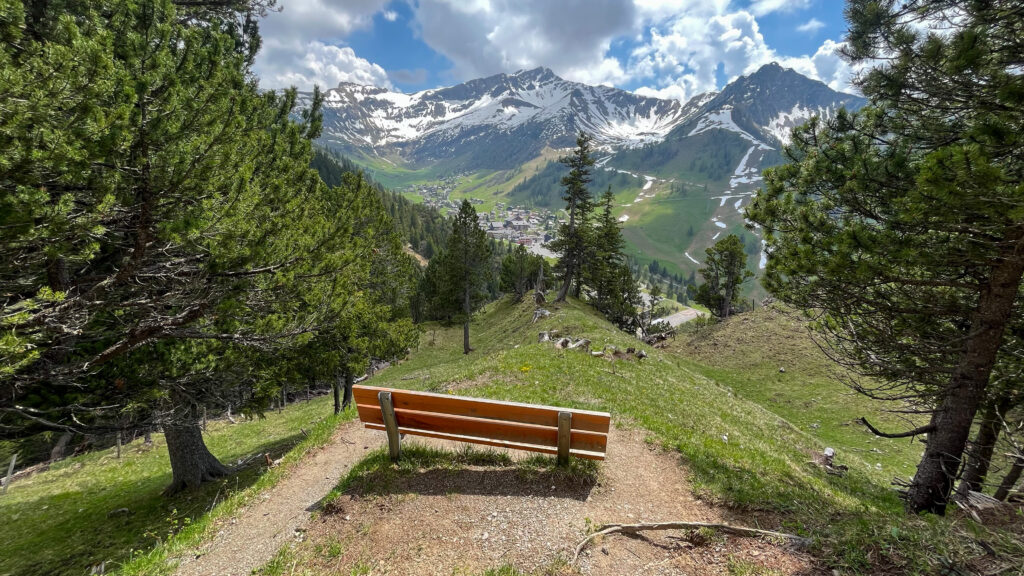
x=531, y=427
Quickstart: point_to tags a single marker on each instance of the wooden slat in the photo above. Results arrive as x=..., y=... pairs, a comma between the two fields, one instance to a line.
x=482, y=408
x=532, y=434
x=490, y=442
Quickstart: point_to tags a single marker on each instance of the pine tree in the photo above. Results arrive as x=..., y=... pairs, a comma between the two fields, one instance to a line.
x=467, y=267
x=902, y=225
x=520, y=271
x=165, y=240
x=724, y=272
x=572, y=242
x=614, y=292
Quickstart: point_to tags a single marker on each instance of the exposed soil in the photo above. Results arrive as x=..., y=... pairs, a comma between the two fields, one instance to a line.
x=250, y=538
x=468, y=520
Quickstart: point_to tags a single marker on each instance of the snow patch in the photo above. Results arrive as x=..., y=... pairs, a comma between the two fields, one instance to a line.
x=687, y=254
x=721, y=119
x=720, y=224
x=624, y=217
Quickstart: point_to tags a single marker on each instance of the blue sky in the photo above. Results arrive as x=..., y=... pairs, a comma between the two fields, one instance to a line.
x=666, y=48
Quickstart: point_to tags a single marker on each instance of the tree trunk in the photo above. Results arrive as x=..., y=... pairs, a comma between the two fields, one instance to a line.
x=930, y=489
x=191, y=462
x=1011, y=478
x=465, y=325
x=58, y=449
x=570, y=264
x=349, y=380
x=336, y=387
x=979, y=454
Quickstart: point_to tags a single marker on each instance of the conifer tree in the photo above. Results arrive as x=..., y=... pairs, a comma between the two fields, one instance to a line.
x=520, y=271
x=164, y=238
x=573, y=242
x=724, y=272
x=900, y=226
x=466, y=268
x=607, y=274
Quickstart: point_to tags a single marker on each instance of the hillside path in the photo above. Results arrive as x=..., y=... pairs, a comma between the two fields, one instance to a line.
x=251, y=537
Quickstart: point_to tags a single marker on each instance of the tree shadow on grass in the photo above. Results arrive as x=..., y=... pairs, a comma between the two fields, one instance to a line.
x=432, y=471
x=102, y=512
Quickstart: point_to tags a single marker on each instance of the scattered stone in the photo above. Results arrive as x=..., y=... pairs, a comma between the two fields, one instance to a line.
x=540, y=313
x=641, y=354
x=543, y=337
x=782, y=370
x=581, y=343
x=119, y=512
x=597, y=353
x=562, y=343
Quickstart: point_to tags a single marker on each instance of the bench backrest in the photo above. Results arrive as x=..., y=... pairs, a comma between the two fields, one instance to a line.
x=491, y=422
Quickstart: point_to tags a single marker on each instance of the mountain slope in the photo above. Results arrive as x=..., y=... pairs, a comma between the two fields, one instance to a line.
x=494, y=122
x=735, y=452
x=682, y=173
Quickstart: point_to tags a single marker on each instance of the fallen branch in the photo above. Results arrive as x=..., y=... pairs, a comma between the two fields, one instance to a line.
x=915, y=432
x=726, y=528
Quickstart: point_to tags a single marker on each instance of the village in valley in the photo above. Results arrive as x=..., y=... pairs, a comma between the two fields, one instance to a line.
x=531, y=227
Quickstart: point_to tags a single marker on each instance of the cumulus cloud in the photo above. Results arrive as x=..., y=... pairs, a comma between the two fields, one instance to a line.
x=327, y=65
x=301, y=44
x=676, y=48
x=811, y=27
x=684, y=54
x=487, y=37
x=762, y=7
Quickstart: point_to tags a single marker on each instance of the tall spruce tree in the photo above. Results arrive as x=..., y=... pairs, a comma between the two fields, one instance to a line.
x=466, y=268
x=615, y=292
x=900, y=228
x=724, y=272
x=573, y=242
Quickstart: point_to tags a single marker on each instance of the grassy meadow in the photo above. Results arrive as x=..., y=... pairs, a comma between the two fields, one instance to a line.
x=95, y=508
x=740, y=454
x=746, y=431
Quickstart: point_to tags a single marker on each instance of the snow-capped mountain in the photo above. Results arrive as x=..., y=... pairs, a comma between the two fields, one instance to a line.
x=496, y=121
x=748, y=122
x=770, y=102
x=506, y=120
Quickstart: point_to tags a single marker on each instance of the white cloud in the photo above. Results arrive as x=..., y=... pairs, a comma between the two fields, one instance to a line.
x=327, y=66
x=762, y=7
x=678, y=48
x=571, y=37
x=300, y=44
x=811, y=27
x=684, y=53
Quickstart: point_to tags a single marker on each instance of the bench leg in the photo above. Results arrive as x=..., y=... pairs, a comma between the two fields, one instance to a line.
x=391, y=425
x=564, y=437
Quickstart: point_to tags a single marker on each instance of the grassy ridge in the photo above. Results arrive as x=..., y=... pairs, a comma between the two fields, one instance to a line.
x=63, y=521
x=739, y=453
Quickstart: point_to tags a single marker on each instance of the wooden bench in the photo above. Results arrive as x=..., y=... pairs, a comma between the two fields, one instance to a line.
x=546, y=429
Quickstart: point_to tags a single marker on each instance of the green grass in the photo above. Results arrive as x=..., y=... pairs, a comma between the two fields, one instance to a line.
x=856, y=521
x=57, y=522
x=746, y=354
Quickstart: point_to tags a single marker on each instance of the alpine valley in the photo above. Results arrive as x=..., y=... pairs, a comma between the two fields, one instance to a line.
x=682, y=173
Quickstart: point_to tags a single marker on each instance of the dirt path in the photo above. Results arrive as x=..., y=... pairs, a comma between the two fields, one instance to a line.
x=251, y=537
x=469, y=520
